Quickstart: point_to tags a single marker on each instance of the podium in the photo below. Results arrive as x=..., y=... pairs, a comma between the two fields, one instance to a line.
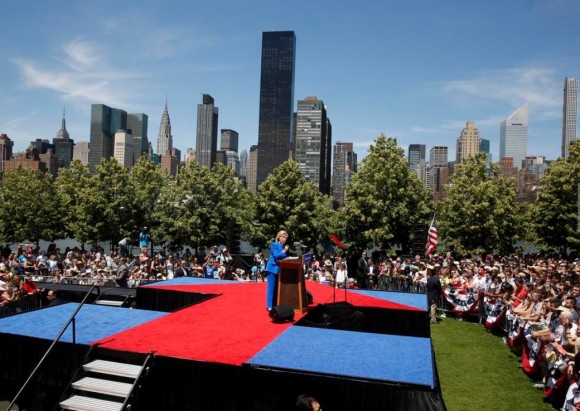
x=291, y=285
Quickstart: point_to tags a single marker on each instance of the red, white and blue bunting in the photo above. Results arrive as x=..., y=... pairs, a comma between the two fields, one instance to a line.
x=532, y=351
x=463, y=301
x=496, y=310
x=515, y=329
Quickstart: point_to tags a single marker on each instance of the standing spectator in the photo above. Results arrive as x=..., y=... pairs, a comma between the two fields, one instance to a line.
x=434, y=292
x=341, y=275
x=123, y=248
x=122, y=273
x=371, y=274
x=144, y=239
x=362, y=268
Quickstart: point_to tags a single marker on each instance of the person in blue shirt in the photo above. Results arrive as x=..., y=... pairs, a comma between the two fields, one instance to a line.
x=144, y=239
x=210, y=270
x=278, y=251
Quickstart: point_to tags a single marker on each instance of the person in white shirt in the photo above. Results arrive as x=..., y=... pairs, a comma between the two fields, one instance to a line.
x=341, y=275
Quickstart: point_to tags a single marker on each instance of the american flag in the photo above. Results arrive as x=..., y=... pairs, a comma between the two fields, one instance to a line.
x=431, y=239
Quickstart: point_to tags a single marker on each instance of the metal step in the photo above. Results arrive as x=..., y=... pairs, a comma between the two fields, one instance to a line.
x=80, y=403
x=113, y=368
x=113, y=303
x=114, y=388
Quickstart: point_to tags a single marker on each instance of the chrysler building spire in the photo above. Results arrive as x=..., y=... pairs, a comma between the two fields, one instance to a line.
x=164, y=138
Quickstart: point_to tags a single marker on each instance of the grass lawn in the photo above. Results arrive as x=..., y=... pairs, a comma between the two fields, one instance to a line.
x=478, y=371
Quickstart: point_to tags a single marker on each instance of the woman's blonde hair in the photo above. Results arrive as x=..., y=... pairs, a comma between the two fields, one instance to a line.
x=281, y=233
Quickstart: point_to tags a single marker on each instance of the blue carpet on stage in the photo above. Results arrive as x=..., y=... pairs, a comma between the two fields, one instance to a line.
x=411, y=299
x=382, y=357
x=93, y=322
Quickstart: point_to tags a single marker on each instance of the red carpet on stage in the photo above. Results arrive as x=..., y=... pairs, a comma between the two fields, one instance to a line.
x=229, y=328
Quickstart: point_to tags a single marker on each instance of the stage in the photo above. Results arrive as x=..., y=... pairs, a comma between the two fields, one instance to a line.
x=216, y=348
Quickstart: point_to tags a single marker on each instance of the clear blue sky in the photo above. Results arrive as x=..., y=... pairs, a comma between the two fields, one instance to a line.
x=415, y=70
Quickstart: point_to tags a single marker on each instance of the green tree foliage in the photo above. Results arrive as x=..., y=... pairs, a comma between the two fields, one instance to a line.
x=105, y=205
x=384, y=200
x=146, y=181
x=29, y=207
x=234, y=202
x=478, y=212
x=554, y=220
x=286, y=201
x=187, y=213
x=70, y=184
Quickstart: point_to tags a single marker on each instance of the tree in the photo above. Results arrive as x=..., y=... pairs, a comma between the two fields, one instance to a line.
x=70, y=184
x=30, y=209
x=554, y=220
x=477, y=213
x=234, y=202
x=384, y=200
x=105, y=205
x=146, y=180
x=187, y=213
x=286, y=201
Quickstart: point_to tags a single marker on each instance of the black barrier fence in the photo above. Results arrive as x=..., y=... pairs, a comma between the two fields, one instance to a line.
x=443, y=307
x=26, y=303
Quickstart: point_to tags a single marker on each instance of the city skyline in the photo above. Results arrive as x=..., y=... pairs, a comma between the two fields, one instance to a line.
x=404, y=73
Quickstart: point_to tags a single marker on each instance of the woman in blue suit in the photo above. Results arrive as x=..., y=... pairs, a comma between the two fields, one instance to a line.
x=278, y=251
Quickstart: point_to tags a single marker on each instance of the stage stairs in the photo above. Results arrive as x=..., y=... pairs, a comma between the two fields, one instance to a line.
x=112, y=300
x=106, y=384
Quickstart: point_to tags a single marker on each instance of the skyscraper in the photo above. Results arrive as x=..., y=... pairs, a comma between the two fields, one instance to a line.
x=164, y=138
x=485, y=147
x=276, y=101
x=124, y=151
x=438, y=172
x=570, y=115
x=513, y=138
x=415, y=154
x=6, y=146
x=468, y=142
x=438, y=156
x=343, y=166
x=244, y=164
x=312, y=141
x=63, y=145
x=252, y=169
x=138, y=125
x=229, y=140
x=105, y=121
x=81, y=152
x=207, y=128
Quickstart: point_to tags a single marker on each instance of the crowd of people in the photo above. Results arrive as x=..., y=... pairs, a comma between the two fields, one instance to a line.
x=533, y=302
x=23, y=267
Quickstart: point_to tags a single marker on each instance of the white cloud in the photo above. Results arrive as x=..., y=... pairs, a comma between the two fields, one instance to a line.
x=539, y=86
x=15, y=122
x=82, y=72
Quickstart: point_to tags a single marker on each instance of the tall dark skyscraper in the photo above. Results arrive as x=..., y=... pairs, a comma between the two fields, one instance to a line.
x=63, y=145
x=230, y=140
x=138, y=123
x=105, y=121
x=344, y=166
x=206, y=137
x=415, y=154
x=570, y=117
x=313, y=141
x=275, y=132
